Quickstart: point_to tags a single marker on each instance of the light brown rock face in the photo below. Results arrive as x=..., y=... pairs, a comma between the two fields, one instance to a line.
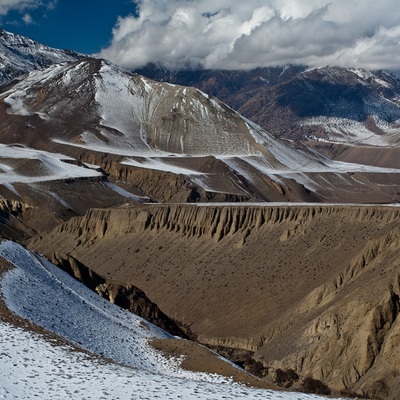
x=313, y=288
x=19, y=221
x=123, y=295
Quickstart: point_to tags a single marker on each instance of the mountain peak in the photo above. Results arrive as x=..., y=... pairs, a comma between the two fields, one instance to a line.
x=21, y=55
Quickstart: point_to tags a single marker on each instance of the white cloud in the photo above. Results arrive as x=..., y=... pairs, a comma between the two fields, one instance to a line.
x=27, y=19
x=21, y=5
x=242, y=35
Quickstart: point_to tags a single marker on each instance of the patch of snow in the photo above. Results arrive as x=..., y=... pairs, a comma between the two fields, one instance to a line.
x=52, y=166
x=382, y=83
x=123, y=149
x=288, y=157
x=204, y=183
x=33, y=367
x=43, y=116
x=17, y=106
x=353, y=133
x=299, y=177
x=10, y=151
x=59, y=199
x=10, y=187
x=147, y=86
x=5, y=168
x=299, y=165
x=246, y=166
x=160, y=165
x=362, y=73
x=125, y=193
x=91, y=166
x=122, y=109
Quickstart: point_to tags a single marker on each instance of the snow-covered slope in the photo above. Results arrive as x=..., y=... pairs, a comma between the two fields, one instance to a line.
x=31, y=366
x=350, y=106
x=339, y=105
x=25, y=165
x=94, y=106
x=19, y=55
x=54, y=187
x=332, y=105
x=57, y=302
x=108, y=109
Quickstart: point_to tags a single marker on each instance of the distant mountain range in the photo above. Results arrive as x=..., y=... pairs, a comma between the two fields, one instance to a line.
x=334, y=110
x=331, y=109
x=170, y=142
x=89, y=108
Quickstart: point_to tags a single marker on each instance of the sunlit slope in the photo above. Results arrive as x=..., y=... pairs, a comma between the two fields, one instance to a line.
x=53, y=368
x=134, y=128
x=309, y=287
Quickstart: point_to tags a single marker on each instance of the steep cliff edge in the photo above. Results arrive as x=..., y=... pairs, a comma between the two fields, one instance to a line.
x=125, y=295
x=163, y=186
x=19, y=221
x=312, y=288
x=222, y=183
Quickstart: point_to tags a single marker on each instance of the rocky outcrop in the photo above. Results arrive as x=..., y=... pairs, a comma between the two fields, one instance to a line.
x=12, y=215
x=309, y=288
x=352, y=319
x=215, y=222
x=13, y=205
x=125, y=295
x=343, y=344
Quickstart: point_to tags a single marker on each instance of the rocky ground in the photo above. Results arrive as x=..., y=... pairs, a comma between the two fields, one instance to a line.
x=303, y=287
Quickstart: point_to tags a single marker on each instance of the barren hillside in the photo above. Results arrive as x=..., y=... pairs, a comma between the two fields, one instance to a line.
x=312, y=288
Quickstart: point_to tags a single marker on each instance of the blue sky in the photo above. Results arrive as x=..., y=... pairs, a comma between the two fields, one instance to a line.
x=80, y=25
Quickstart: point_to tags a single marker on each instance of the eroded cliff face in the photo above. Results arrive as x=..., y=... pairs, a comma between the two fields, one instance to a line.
x=312, y=288
x=162, y=186
x=123, y=295
x=19, y=221
x=222, y=184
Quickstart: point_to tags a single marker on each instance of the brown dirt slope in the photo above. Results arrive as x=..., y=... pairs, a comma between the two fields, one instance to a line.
x=194, y=357
x=200, y=359
x=313, y=288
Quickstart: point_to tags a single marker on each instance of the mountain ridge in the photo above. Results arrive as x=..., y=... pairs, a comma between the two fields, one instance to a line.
x=21, y=55
x=148, y=126
x=328, y=108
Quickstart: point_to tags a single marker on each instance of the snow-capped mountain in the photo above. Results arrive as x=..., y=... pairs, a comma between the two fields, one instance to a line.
x=338, y=104
x=91, y=107
x=329, y=108
x=123, y=113
x=19, y=55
